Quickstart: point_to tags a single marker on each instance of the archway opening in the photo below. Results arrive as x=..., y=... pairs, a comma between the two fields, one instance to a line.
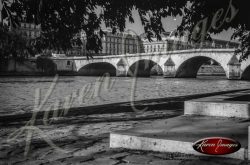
x=144, y=68
x=246, y=74
x=156, y=70
x=200, y=67
x=97, y=69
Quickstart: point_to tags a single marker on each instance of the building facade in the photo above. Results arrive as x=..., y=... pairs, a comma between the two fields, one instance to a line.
x=32, y=31
x=120, y=43
x=170, y=41
x=78, y=49
x=29, y=30
x=116, y=44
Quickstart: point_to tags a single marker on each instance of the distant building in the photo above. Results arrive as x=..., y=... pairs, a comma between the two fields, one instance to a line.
x=77, y=49
x=32, y=31
x=29, y=30
x=222, y=43
x=169, y=42
x=118, y=43
x=174, y=41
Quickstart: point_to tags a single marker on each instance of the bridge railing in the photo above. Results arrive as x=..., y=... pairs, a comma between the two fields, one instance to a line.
x=207, y=45
x=178, y=45
x=172, y=46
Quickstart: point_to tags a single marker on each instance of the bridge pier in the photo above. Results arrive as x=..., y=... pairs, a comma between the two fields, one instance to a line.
x=169, y=68
x=234, y=69
x=121, y=69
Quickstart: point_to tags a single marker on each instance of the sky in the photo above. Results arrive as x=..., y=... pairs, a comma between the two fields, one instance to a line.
x=169, y=24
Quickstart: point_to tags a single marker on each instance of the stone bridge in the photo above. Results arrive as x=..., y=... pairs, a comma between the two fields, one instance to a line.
x=179, y=63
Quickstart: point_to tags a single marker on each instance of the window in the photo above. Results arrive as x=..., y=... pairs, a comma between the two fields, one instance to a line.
x=68, y=62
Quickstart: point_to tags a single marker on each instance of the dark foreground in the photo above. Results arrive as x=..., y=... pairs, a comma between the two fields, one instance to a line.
x=82, y=137
x=87, y=143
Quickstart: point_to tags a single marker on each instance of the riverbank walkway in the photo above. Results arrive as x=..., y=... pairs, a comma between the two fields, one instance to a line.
x=225, y=115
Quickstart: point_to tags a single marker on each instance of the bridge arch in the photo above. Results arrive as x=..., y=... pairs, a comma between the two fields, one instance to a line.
x=97, y=69
x=142, y=68
x=190, y=67
x=246, y=73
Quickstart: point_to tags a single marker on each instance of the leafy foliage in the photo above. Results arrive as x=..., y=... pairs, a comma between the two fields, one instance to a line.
x=216, y=16
x=46, y=65
x=61, y=20
x=13, y=45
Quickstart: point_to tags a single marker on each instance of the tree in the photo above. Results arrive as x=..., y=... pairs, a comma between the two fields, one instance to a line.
x=46, y=65
x=205, y=17
x=13, y=45
x=62, y=19
x=11, y=10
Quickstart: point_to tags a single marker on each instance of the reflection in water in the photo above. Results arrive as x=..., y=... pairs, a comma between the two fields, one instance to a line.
x=17, y=93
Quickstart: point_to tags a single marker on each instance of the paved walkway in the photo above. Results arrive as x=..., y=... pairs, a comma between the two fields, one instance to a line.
x=85, y=140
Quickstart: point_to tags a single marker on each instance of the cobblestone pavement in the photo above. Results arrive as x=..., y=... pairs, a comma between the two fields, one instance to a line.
x=85, y=140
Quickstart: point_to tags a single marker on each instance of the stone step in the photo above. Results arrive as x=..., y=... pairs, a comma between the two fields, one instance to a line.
x=179, y=133
x=226, y=105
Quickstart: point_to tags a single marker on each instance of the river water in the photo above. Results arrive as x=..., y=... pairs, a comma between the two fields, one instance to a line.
x=18, y=94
